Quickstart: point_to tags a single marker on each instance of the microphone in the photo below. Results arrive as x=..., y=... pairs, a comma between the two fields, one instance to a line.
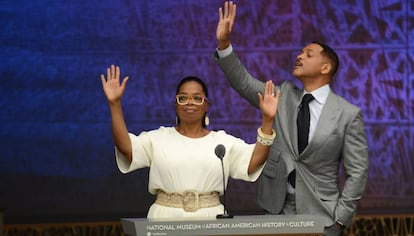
x=220, y=151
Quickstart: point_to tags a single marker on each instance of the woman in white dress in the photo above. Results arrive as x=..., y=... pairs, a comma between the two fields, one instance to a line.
x=185, y=172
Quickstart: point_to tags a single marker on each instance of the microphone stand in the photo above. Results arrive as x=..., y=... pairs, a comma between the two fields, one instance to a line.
x=225, y=215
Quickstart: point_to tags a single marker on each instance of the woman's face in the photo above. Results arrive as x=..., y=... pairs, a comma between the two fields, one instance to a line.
x=191, y=95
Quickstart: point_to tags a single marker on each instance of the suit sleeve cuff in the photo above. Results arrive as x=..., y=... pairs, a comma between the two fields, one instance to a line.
x=224, y=52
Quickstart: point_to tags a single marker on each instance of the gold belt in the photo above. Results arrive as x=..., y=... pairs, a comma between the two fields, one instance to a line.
x=188, y=200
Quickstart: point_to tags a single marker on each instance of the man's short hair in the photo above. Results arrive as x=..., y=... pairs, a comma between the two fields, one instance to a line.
x=329, y=53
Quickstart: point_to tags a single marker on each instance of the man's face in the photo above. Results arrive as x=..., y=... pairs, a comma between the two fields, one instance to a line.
x=309, y=62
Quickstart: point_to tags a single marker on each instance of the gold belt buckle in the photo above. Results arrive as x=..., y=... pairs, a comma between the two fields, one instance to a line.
x=191, y=201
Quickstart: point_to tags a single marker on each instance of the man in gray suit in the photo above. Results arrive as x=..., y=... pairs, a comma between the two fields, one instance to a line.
x=296, y=181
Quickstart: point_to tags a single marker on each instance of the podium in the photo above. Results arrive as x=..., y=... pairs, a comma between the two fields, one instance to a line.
x=239, y=225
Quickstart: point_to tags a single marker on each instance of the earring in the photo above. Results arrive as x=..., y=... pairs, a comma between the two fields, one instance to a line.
x=206, y=120
x=176, y=120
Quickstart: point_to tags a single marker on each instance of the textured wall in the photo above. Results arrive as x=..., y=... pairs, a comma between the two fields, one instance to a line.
x=57, y=160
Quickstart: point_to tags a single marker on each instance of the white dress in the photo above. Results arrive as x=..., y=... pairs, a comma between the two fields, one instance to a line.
x=179, y=163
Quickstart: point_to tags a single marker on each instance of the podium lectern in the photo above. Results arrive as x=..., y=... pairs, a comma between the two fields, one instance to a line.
x=239, y=225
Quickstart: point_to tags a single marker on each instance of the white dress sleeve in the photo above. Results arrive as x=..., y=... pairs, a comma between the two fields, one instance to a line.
x=141, y=153
x=237, y=159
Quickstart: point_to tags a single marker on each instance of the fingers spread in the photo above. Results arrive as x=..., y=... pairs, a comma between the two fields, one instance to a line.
x=277, y=94
x=103, y=79
x=260, y=96
x=226, y=9
x=220, y=14
x=269, y=88
x=112, y=72
x=124, y=81
x=233, y=15
x=117, y=72
x=108, y=73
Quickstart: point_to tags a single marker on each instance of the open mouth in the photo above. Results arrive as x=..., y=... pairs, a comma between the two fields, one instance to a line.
x=298, y=63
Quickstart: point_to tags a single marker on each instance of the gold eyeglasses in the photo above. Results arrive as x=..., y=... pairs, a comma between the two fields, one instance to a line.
x=183, y=99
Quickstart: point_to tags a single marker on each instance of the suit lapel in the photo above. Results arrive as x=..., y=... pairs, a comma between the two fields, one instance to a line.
x=327, y=121
x=292, y=105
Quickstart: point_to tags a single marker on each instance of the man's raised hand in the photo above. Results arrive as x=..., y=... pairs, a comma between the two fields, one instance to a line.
x=227, y=15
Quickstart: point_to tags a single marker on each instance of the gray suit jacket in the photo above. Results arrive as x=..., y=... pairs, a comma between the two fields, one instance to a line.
x=339, y=136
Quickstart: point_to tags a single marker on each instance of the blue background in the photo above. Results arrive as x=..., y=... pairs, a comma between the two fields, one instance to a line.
x=57, y=161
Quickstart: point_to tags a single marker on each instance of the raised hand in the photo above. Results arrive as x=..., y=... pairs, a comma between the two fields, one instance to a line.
x=225, y=24
x=112, y=86
x=268, y=101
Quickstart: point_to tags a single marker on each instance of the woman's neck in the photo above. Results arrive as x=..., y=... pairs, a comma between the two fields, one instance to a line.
x=192, y=131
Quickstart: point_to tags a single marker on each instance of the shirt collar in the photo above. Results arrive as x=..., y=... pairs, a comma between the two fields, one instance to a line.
x=320, y=94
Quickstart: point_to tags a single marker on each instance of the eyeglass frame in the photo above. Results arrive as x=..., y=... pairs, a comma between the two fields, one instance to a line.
x=203, y=98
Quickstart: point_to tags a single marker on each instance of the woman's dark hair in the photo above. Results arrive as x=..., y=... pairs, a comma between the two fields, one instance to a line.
x=195, y=79
x=329, y=53
x=203, y=86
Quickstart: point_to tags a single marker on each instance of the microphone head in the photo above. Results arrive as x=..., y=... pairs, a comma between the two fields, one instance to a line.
x=220, y=151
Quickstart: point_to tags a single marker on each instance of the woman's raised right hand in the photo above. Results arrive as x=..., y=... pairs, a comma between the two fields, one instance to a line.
x=112, y=86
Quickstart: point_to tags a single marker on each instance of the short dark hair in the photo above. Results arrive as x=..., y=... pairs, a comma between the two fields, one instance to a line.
x=331, y=55
x=195, y=79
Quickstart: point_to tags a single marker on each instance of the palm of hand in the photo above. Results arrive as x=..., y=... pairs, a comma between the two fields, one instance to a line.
x=223, y=30
x=268, y=102
x=268, y=105
x=227, y=15
x=113, y=89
